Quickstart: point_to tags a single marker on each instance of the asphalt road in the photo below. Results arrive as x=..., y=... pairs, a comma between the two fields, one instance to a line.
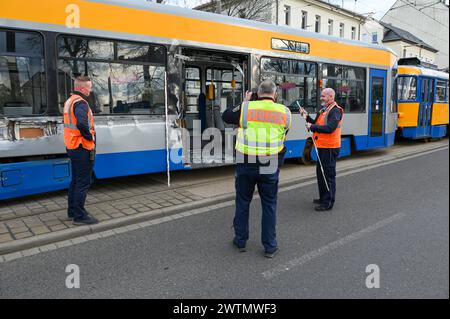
x=395, y=216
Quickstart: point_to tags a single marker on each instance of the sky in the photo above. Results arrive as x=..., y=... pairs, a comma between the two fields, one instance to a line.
x=379, y=7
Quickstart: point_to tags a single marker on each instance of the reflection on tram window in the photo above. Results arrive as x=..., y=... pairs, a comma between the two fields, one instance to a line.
x=74, y=47
x=407, y=88
x=296, y=81
x=22, y=76
x=131, y=84
x=349, y=84
x=441, y=91
x=141, y=53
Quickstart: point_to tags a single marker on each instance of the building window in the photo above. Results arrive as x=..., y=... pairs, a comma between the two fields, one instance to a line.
x=296, y=81
x=375, y=37
x=353, y=33
x=304, y=20
x=349, y=84
x=318, y=22
x=127, y=77
x=330, y=26
x=287, y=15
x=341, y=30
x=22, y=76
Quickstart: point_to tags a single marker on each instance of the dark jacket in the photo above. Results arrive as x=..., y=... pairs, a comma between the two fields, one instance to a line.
x=80, y=110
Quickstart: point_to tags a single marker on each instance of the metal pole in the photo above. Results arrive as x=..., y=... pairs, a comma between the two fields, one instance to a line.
x=167, y=129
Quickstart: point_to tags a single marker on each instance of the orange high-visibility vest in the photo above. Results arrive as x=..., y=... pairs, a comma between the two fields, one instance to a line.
x=328, y=140
x=72, y=135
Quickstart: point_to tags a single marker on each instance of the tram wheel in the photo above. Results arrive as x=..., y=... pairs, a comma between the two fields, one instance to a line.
x=306, y=158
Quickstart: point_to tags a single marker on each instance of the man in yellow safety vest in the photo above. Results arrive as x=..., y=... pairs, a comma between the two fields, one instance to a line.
x=263, y=125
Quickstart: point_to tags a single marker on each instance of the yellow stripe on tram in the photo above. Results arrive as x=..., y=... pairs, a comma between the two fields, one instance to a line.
x=100, y=16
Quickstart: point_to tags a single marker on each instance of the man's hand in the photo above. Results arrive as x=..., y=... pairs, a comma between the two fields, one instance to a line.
x=303, y=112
x=248, y=96
x=308, y=126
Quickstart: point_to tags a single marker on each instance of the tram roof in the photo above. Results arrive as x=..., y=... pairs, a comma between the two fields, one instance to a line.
x=214, y=17
x=417, y=70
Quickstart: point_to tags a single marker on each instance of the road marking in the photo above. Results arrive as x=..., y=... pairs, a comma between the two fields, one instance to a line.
x=150, y=223
x=297, y=262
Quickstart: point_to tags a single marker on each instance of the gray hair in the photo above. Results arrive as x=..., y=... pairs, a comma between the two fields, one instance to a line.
x=329, y=91
x=267, y=87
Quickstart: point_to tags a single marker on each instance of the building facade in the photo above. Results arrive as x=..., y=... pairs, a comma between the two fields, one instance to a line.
x=425, y=19
x=311, y=15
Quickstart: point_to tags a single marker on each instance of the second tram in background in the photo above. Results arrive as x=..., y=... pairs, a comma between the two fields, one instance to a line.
x=422, y=98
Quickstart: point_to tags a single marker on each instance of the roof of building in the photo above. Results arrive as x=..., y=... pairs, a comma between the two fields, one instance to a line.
x=208, y=5
x=393, y=33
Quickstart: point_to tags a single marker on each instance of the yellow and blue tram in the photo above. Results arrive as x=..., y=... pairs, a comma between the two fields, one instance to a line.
x=422, y=98
x=152, y=66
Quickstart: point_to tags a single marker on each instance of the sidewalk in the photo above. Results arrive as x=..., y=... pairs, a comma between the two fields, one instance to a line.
x=39, y=220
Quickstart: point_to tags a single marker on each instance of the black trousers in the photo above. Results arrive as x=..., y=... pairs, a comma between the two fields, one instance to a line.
x=328, y=157
x=81, y=181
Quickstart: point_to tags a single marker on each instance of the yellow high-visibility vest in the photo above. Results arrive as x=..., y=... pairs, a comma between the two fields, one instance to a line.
x=262, y=128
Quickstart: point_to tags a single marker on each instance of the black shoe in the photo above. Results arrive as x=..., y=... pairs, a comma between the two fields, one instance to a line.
x=241, y=249
x=316, y=201
x=271, y=254
x=88, y=220
x=321, y=208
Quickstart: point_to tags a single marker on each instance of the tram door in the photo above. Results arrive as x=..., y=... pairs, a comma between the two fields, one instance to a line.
x=377, y=108
x=426, y=102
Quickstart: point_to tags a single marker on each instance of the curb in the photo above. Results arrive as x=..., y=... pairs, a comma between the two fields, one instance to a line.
x=71, y=233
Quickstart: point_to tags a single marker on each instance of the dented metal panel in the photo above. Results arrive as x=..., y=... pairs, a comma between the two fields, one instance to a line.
x=45, y=136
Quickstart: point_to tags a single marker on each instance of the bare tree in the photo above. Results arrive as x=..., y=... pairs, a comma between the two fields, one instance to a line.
x=260, y=10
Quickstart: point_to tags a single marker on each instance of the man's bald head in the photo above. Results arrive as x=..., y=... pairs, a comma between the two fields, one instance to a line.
x=83, y=84
x=327, y=96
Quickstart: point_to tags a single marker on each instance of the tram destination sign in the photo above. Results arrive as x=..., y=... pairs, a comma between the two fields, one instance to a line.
x=290, y=46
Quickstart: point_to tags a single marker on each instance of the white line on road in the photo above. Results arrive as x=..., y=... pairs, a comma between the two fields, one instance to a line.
x=269, y=274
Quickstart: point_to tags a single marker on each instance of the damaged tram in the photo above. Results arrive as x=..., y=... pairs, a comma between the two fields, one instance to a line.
x=162, y=75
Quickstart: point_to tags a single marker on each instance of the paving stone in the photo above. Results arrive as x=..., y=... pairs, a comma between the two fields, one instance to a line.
x=48, y=247
x=5, y=238
x=39, y=210
x=12, y=256
x=47, y=217
x=102, y=217
x=30, y=252
x=129, y=211
x=32, y=221
x=40, y=230
x=15, y=224
x=23, y=235
x=79, y=240
x=52, y=222
x=117, y=215
x=58, y=227
x=64, y=243
x=6, y=210
x=3, y=229
x=19, y=230
x=8, y=216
